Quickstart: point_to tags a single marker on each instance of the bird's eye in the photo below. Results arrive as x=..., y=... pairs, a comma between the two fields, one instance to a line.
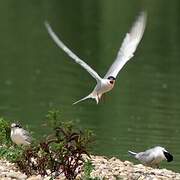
x=112, y=82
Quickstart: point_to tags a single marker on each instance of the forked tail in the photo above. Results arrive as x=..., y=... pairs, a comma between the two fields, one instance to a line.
x=87, y=97
x=132, y=153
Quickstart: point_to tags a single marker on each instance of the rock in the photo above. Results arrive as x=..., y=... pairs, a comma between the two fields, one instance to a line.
x=16, y=175
x=35, y=178
x=108, y=169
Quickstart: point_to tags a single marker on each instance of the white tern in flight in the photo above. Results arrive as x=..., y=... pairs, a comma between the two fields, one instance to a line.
x=152, y=157
x=126, y=52
x=20, y=136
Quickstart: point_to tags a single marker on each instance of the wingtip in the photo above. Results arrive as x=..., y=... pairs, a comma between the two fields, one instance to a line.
x=143, y=12
x=46, y=23
x=143, y=15
x=131, y=153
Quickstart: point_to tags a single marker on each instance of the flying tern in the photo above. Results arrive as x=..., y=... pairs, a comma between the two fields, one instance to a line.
x=125, y=53
x=152, y=157
x=20, y=136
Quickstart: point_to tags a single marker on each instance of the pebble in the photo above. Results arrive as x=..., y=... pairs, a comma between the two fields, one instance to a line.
x=35, y=178
x=16, y=175
x=110, y=169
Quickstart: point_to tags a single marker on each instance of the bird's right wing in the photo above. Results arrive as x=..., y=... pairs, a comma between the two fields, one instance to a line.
x=129, y=45
x=70, y=53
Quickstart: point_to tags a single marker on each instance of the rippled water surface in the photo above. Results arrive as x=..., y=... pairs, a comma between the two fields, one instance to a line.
x=36, y=76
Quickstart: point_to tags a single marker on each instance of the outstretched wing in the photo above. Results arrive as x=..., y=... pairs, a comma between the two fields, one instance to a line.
x=129, y=45
x=70, y=53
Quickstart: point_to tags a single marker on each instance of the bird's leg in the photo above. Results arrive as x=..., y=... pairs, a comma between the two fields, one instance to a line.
x=99, y=96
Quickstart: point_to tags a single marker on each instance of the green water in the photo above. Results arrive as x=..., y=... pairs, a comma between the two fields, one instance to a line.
x=36, y=76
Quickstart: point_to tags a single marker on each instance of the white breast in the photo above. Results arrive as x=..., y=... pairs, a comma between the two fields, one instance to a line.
x=103, y=87
x=18, y=137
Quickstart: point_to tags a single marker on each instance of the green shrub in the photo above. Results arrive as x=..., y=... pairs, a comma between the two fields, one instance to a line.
x=11, y=153
x=88, y=167
x=4, y=132
x=60, y=152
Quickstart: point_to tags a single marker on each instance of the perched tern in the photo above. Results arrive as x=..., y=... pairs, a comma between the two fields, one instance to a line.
x=125, y=53
x=20, y=136
x=152, y=157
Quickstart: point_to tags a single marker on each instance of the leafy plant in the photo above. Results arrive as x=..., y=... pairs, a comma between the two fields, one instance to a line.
x=4, y=132
x=88, y=167
x=61, y=152
x=11, y=153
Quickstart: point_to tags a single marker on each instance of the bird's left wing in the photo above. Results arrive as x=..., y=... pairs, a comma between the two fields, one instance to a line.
x=129, y=45
x=27, y=135
x=70, y=53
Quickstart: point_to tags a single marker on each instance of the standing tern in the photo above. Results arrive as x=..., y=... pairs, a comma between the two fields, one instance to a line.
x=125, y=53
x=20, y=136
x=152, y=157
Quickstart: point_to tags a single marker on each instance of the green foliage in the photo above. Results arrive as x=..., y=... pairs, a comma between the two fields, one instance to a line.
x=4, y=132
x=88, y=167
x=60, y=152
x=11, y=153
x=53, y=118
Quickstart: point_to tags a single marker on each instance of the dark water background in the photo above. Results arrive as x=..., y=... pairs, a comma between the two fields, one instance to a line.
x=143, y=110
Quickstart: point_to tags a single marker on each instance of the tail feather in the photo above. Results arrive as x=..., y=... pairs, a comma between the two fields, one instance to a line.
x=87, y=97
x=132, y=153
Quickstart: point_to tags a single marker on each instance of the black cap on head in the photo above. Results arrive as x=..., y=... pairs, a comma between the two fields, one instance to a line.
x=16, y=125
x=111, y=78
x=168, y=156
